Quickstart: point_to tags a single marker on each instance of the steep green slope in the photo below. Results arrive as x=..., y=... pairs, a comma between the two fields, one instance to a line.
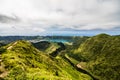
x=100, y=56
x=21, y=61
x=42, y=45
x=46, y=47
x=92, y=46
x=77, y=41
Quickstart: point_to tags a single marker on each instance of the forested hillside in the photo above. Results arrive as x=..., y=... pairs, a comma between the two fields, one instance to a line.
x=100, y=56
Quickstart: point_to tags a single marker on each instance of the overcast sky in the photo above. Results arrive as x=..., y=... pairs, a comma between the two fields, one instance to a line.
x=35, y=17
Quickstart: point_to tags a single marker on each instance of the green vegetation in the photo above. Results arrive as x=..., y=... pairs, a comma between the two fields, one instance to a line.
x=46, y=47
x=85, y=58
x=70, y=49
x=101, y=55
x=22, y=61
x=43, y=45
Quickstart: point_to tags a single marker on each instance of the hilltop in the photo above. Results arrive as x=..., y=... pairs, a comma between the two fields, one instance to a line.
x=20, y=60
x=99, y=55
x=87, y=58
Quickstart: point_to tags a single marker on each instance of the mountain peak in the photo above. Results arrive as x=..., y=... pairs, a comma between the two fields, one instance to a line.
x=102, y=35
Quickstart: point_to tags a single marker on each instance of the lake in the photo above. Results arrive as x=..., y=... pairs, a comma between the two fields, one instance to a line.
x=58, y=40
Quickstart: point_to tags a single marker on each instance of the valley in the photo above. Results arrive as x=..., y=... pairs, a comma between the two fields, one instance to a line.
x=52, y=58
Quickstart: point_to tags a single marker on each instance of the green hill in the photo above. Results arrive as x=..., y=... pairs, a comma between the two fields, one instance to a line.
x=46, y=47
x=100, y=56
x=97, y=56
x=20, y=60
x=43, y=45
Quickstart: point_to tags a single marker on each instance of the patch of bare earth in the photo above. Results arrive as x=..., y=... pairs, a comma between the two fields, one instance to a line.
x=3, y=71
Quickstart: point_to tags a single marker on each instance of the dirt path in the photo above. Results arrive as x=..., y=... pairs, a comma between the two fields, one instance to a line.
x=4, y=74
x=81, y=69
x=10, y=47
x=79, y=66
x=2, y=69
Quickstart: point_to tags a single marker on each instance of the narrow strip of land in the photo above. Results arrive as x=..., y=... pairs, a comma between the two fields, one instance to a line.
x=80, y=68
x=10, y=47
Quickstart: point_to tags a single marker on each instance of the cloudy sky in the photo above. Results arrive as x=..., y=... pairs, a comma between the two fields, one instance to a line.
x=41, y=17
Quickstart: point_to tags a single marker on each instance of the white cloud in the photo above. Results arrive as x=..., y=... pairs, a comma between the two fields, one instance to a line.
x=41, y=15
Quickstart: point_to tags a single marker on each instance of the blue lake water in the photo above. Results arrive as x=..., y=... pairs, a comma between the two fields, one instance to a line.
x=58, y=40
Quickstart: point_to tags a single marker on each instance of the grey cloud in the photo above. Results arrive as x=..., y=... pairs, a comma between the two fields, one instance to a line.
x=7, y=19
x=41, y=15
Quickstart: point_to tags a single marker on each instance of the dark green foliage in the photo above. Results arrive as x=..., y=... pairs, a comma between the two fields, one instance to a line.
x=1, y=44
x=57, y=51
x=2, y=50
x=43, y=45
x=77, y=41
x=102, y=54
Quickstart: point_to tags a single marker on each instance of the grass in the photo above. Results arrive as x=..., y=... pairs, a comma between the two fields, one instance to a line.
x=101, y=56
x=24, y=62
